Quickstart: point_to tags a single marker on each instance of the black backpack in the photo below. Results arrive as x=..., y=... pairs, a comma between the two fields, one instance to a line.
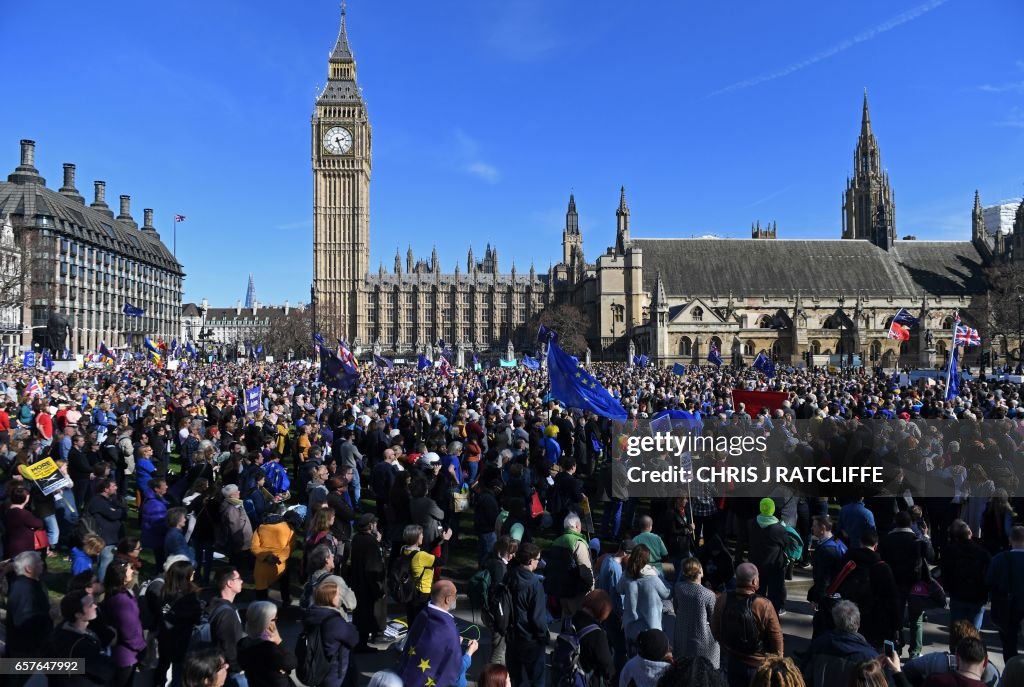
x=565, y=659
x=402, y=585
x=562, y=574
x=499, y=605
x=313, y=663
x=739, y=626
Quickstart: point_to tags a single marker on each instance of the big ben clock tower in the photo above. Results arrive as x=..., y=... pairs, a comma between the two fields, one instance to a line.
x=341, y=196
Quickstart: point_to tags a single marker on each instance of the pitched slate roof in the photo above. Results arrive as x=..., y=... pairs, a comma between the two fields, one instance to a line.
x=704, y=267
x=69, y=218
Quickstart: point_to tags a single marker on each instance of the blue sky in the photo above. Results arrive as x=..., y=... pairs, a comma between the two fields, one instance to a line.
x=486, y=113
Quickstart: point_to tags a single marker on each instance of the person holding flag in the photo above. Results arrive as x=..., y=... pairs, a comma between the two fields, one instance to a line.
x=714, y=357
x=763, y=363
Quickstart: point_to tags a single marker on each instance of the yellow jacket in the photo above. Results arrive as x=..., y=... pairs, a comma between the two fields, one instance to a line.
x=270, y=542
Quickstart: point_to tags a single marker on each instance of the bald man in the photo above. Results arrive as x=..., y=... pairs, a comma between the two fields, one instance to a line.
x=746, y=637
x=433, y=651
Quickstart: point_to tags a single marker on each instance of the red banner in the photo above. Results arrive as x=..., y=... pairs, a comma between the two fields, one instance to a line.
x=755, y=400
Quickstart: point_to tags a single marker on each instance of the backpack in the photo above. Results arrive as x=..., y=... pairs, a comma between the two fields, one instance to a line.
x=402, y=586
x=479, y=590
x=794, y=544
x=565, y=660
x=562, y=573
x=313, y=664
x=739, y=626
x=499, y=606
x=202, y=633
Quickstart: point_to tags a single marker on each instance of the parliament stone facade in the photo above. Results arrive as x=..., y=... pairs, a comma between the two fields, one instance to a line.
x=669, y=298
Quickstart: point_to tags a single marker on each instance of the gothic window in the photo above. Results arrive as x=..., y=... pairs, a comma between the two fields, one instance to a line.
x=947, y=323
x=815, y=347
x=618, y=312
x=685, y=346
x=776, y=350
x=940, y=346
x=697, y=314
x=764, y=322
x=876, y=351
x=748, y=348
x=717, y=343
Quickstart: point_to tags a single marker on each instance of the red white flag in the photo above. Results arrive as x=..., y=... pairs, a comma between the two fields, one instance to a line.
x=899, y=332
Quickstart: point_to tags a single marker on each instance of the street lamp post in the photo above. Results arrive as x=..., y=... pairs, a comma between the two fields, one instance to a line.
x=1020, y=329
x=204, y=308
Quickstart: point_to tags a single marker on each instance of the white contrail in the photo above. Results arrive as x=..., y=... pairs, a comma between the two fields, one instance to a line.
x=887, y=25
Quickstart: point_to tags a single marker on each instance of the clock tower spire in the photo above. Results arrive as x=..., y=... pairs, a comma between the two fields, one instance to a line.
x=341, y=161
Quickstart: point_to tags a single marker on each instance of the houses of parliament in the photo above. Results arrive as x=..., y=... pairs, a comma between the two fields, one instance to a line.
x=672, y=299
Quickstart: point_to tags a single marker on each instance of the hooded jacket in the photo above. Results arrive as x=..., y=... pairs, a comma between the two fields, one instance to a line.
x=339, y=637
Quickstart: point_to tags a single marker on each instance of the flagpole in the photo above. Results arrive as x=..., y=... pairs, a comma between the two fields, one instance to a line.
x=949, y=365
x=175, y=238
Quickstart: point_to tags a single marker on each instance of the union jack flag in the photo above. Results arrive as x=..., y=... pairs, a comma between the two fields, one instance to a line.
x=966, y=336
x=179, y=218
x=33, y=389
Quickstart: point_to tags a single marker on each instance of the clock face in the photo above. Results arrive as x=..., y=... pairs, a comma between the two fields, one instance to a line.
x=337, y=140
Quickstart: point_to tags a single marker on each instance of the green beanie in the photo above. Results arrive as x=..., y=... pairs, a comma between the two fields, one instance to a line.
x=767, y=507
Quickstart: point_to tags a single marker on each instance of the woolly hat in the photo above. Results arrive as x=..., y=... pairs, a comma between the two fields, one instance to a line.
x=652, y=645
x=767, y=507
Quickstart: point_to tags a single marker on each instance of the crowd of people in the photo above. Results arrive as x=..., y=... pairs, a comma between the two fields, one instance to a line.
x=193, y=495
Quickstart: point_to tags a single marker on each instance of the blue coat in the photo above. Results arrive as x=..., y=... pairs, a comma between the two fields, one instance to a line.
x=144, y=471
x=175, y=544
x=80, y=561
x=154, y=521
x=339, y=637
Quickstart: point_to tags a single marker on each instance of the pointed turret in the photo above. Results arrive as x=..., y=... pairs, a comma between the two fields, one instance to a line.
x=342, y=52
x=978, y=232
x=571, y=236
x=398, y=261
x=470, y=265
x=409, y=264
x=380, y=271
x=434, y=267
x=869, y=197
x=533, y=273
x=494, y=261
x=659, y=292
x=865, y=117
x=622, y=224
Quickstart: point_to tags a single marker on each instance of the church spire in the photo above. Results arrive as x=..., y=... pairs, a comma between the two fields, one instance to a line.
x=869, y=206
x=250, y=293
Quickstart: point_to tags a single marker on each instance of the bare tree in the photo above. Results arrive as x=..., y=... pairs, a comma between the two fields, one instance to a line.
x=569, y=322
x=1000, y=311
x=293, y=331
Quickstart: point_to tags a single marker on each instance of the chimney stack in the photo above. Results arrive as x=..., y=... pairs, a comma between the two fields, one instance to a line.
x=100, y=201
x=68, y=189
x=238, y=308
x=126, y=206
x=286, y=307
x=147, y=219
x=26, y=172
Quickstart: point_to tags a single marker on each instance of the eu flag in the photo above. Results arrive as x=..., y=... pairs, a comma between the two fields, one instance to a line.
x=319, y=339
x=905, y=318
x=47, y=360
x=763, y=364
x=679, y=369
x=422, y=363
x=131, y=311
x=714, y=357
x=382, y=362
x=334, y=373
x=641, y=360
x=577, y=388
x=106, y=352
x=545, y=334
x=953, y=375
x=531, y=363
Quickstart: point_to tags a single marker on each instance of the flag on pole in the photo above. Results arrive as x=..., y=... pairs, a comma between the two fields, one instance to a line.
x=898, y=331
x=577, y=388
x=446, y=367
x=334, y=373
x=763, y=364
x=33, y=388
x=966, y=336
x=641, y=360
x=179, y=218
x=953, y=375
x=47, y=360
x=131, y=311
x=530, y=363
x=106, y=352
x=380, y=361
x=905, y=318
x=679, y=369
x=422, y=363
x=714, y=357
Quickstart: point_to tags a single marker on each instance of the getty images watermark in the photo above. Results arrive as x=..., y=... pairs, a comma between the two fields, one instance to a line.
x=814, y=458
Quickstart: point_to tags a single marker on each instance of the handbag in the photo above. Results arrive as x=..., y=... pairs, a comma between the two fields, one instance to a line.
x=40, y=540
x=927, y=595
x=149, y=657
x=536, y=507
x=460, y=500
